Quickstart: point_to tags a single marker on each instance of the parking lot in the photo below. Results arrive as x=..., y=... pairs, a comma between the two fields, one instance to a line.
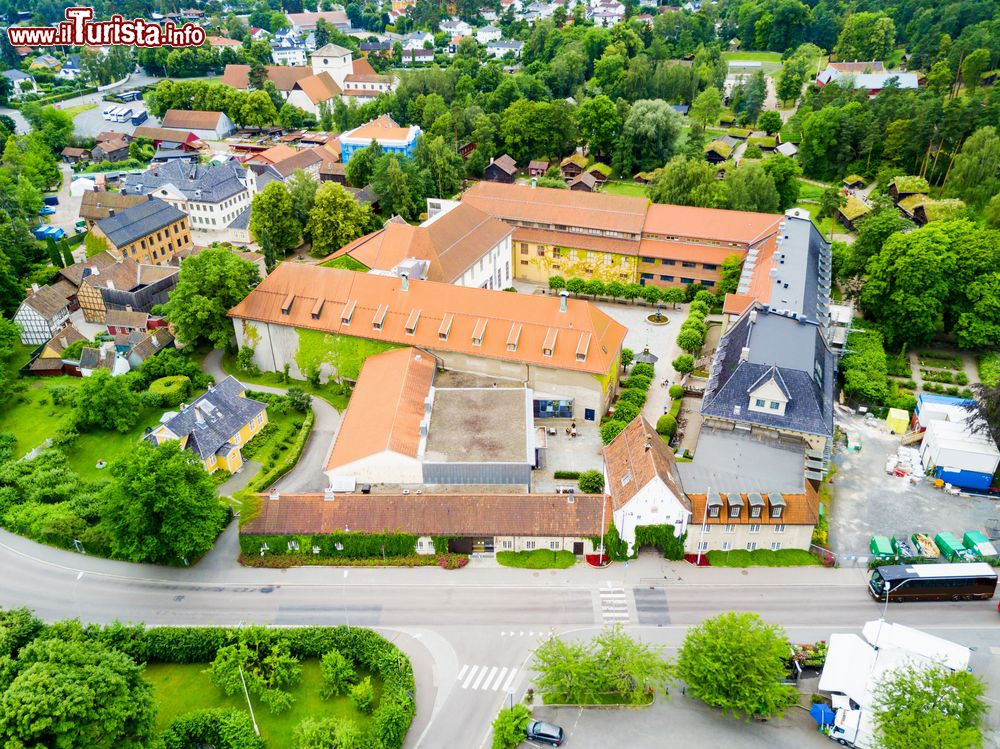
x=92, y=122
x=679, y=721
x=868, y=502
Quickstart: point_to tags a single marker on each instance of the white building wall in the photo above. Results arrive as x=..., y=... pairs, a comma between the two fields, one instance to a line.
x=295, y=56
x=375, y=468
x=300, y=100
x=654, y=504
x=737, y=536
x=491, y=271
x=35, y=329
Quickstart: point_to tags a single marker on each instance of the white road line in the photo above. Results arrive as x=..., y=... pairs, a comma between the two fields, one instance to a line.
x=462, y=672
x=468, y=679
x=496, y=682
x=486, y=683
x=510, y=680
x=479, y=678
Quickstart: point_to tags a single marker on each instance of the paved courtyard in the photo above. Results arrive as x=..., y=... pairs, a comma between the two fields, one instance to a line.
x=92, y=122
x=867, y=501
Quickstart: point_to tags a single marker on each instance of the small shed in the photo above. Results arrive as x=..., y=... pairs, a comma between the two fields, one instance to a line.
x=80, y=185
x=904, y=186
x=955, y=455
x=854, y=181
x=851, y=211
x=897, y=420
x=537, y=168
x=502, y=169
x=583, y=183
x=572, y=166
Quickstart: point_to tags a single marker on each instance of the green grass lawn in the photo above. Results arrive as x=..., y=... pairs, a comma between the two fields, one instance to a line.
x=79, y=109
x=346, y=262
x=268, y=442
x=624, y=188
x=809, y=191
x=826, y=224
x=539, y=559
x=770, y=61
x=182, y=688
x=32, y=417
x=762, y=558
x=330, y=392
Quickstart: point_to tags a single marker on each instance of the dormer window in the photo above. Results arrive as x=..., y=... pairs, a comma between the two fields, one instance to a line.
x=445, y=327
x=379, y=320
x=478, y=332
x=760, y=403
x=778, y=504
x=713, y=512
x=774, y=405
x=734, y=512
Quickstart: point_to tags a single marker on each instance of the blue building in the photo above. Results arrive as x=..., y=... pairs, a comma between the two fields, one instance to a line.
x=390, y=136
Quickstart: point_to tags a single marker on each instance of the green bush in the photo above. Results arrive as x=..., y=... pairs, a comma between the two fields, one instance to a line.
x=962, y=378
x=363, y=695
x=662, y=537
x=666, y=426
x=171, y=391
x=642, y=368
x=610, y=430
x=338, y=674
x=676, y=391
x=223, y=728
x=299, y=399
x=509, y=727
x=683, y=364
x=989, y=369
x=634, y=395
x=625, y=411
x=592, y=482
x=637, y=382
x=864, y=366
x=538, y=559
x=567, y=475
x=267, y=477
x=763, y=558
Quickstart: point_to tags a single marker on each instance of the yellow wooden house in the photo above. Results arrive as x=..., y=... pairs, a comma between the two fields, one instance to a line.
x=215, y=425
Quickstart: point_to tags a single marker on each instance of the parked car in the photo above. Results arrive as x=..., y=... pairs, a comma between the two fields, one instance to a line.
x=51, y=200
x=546, y=733
x=46, y=210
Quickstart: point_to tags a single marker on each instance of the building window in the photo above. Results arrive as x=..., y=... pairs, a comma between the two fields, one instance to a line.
x=755, y=528
x=708, y=284
x=650, y=260
x=775, y=405
x=713, y=512
x=730, y=528
x=506, y=544
x=779, y=528
x=775, y=545
x=541, y=252
x=687, y=264
x=710, y=266
x=703, y=546
x=706, y=529
x=727, y=545
x=524, y=262
x=530, y=545
x=687, y=280
x=554, y=545
x=670, y=262
x=646, y=276
x=734, y=512
x=755, y=512
x=775, y=512
x=759, y=403
x=751, y=546
x=556, y=252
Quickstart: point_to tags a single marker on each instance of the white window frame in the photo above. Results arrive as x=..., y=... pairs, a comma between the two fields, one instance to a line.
x=731, y=528
x=751, y=546
x=529, y=545
x=775, y=545
x=755, y=528
x=727, y=545
x=779, y=528
x=703, y=546
x=554, y=545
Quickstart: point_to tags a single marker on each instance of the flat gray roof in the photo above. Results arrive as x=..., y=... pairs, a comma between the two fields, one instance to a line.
x=480, y=425
x=734, y=461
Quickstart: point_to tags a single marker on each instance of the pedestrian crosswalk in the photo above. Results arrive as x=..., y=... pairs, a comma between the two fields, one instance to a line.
x=486, y=678
x=614, y=606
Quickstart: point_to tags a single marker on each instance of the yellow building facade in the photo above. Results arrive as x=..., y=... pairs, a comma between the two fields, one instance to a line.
x=539, y=261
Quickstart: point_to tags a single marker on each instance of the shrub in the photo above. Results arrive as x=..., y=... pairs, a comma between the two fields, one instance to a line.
x=223, y=728
x=557, y=282
x=698, y=308
x=864, y=367
x=690, y=339
x=634, y=395
x=707, y=297
x=642, y=368
x=625, y=411
x=637, y=382
x=676, y=391
x=961, y=378
x=628, y=356
x=989, y=369
x=662, y=537
x=338, y=674
x=592, y=482
x=299, y=399
x=610, y=430
x=509, y=727
x=567, y=475
x=171, y=391
x=62, y=394
x=327, y=733
x=363, y=695
x=539, y=559
x=666, y=426
x=683, y=364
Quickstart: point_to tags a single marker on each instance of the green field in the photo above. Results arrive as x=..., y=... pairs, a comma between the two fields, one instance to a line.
x=624, y=188
x=763, y=558
x=809, y=191
x=182, y=688
x=825, y=225
x=771, y=61
x=539, y=559
x=79, y=109
x=330, y=392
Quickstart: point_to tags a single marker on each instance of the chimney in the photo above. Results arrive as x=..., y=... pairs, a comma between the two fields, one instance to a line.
x=274, y=494
x=34, y=288
x=647, y=447
x=111, y=212
x=745, y=353
x=534, y=181
x=328, y=495
x=128, y=307
x=405, y=279
x=563, y=304
x=491, y=159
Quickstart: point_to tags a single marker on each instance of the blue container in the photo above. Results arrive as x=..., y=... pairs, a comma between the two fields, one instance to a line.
x=51, y=200
x=965, y=479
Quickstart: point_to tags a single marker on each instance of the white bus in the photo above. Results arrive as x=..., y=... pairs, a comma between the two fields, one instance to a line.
x=108, y=112
x=123, y=114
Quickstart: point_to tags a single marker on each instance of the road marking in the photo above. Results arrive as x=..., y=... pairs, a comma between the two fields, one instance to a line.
x=462, y=672
x=486, y=683
x=479, y=679
x=80, y=575
x=468, y=679
x=510, y=680
x=496, y=682
x=614, y=605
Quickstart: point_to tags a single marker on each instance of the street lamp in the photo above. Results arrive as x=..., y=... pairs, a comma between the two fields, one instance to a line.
x=347, y=616
x=704, y=524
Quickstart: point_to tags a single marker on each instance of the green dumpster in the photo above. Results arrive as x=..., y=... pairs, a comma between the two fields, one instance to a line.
x=880, y=547
x=924, y=546
x=951, y=548
x=901, y=548
x=977, y=543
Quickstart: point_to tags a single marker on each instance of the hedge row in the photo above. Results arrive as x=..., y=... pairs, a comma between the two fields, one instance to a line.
x=56, y=98
x=338, y=545
x=265, y=479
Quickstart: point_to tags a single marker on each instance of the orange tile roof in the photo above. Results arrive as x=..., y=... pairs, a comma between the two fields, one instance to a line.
x=361, y=66
x=760, y=285
x=452, y=243
x=576, y=241
x=687, y=222
x=465, y=309
x=319, y=88
x=548, y=206
x=284, y=77
x=689, y=251
x=274, y=154
x=630, y=465
x=433, y=515
x=386, y=407
x=800, y=509
x=301, y=159
x=737, y=304
x=383, y=128
x=221, y=41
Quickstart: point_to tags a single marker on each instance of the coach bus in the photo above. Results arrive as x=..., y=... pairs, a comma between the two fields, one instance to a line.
x=963, y=581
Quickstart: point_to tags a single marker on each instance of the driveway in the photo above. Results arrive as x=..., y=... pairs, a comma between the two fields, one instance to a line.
x=307, y=475
x=68, y=211
x=868, y=502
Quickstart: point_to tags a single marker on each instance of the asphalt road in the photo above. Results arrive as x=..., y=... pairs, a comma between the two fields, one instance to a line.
x=470, y=633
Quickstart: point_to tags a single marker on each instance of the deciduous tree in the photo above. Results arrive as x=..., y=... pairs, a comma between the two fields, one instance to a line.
x=361, y=165
x=398, y=187
x=106, y=402
x=335, y=219
x=866, y=36
x=736, y=661
x=649, y=136
x=975, y=175
x=272, y=216
x=599, y=123
x=751, y=188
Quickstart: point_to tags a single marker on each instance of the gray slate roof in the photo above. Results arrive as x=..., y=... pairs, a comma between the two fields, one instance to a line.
x=214, y=417
x=242, y=221
x=796, y=349
x=211, y=183
x=138, y=221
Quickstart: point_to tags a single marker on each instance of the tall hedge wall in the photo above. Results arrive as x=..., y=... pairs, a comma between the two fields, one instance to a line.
x=354, y=545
